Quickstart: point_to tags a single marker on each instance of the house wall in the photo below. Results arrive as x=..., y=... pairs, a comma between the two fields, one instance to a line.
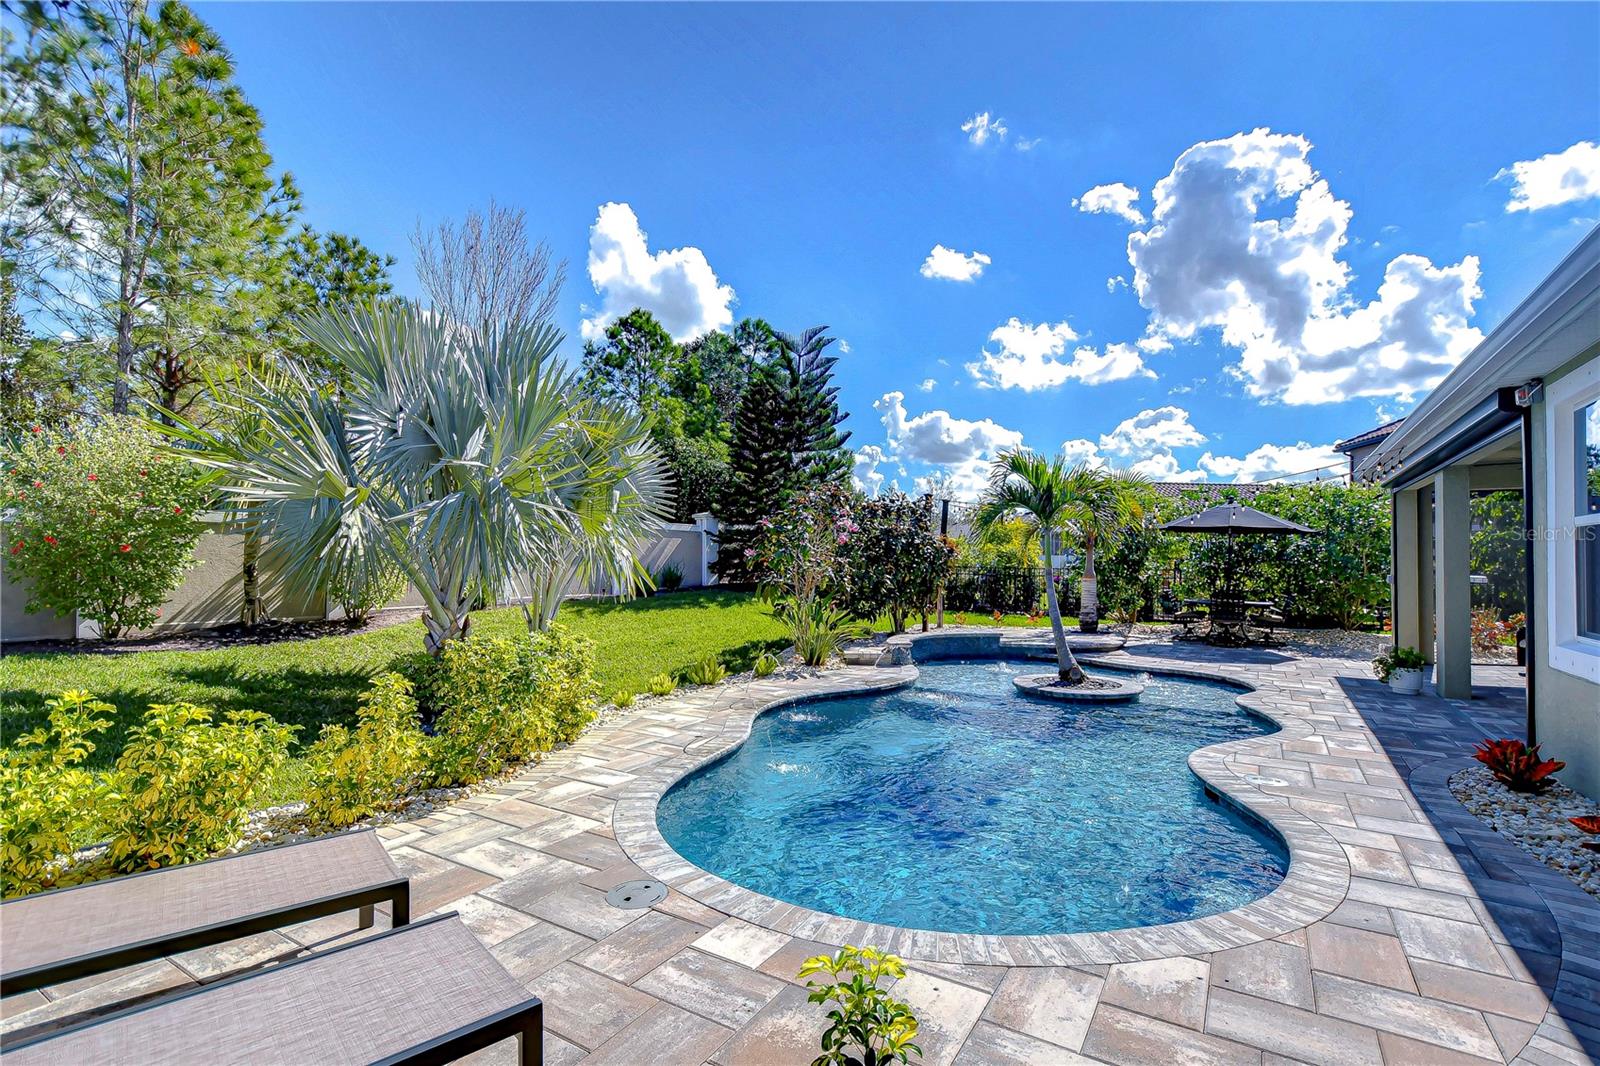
x=1566, y=707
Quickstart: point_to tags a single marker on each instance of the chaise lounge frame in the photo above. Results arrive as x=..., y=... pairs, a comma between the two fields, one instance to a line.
x=395, y=890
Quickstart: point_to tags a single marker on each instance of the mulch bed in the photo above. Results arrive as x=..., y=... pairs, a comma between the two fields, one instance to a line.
x=229, y=636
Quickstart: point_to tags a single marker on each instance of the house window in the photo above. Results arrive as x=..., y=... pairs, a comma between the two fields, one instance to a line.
x=1571, y=515
x=1586, y=520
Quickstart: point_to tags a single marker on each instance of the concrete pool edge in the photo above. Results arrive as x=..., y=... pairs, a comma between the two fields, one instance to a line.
x=1316, y=882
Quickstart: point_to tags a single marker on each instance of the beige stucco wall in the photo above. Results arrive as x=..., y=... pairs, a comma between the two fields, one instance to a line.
x=1567, y=708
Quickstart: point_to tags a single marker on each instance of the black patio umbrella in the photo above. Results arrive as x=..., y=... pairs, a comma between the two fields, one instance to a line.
x=1231, y=518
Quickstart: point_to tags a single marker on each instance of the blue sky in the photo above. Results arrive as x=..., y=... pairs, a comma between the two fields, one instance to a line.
x=1339, y=213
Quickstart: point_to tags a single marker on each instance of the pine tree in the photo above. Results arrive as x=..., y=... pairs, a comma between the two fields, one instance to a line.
x=785, y=439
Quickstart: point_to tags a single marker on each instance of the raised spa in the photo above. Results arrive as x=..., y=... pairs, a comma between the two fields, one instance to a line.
x=957, y=805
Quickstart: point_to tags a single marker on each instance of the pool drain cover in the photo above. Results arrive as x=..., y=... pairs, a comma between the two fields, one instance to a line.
x=637, y=895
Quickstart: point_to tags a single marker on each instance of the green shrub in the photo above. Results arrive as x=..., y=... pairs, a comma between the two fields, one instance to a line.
x=1387, y=662
x=670, y=579
x=766, y=663
x=185, y=785
x=358, y=596
x=707, y=671
x=354, y=773
x=500, y=701
x=867, y=1024
x=661, y=685
x=49, y=804
x=821, y=630
x=102, y=522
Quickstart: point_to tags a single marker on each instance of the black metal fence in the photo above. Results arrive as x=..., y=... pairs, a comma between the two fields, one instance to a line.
x=1007, y=589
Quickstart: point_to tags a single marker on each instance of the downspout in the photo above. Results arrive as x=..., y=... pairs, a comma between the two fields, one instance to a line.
x=1521, y=400
x=1394, y=570
x=1528, y=534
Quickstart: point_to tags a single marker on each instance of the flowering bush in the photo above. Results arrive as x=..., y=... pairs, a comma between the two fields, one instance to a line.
x=898, y=562
x=1489, y=633
x=101, y=522
x=50, y=805
x=799, y=552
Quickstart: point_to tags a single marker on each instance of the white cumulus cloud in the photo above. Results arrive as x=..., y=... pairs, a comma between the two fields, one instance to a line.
x=980, y=127
x=951, y=265
x=1244, y=237
x=1276, y=461
x=678, y=286
x=938, y=436
x=1113, y=199
x=1151, y=431
x=1557, y=178
x=1033, y=356
x=927, y=385
x=865, y=473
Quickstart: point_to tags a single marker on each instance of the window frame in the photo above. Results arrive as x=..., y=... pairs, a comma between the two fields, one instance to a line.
x=1567, y=648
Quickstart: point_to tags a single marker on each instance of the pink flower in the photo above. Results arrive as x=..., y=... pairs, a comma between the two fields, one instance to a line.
x=749, y=553
x=38, y=484
x=124, y=547
x=158, y=612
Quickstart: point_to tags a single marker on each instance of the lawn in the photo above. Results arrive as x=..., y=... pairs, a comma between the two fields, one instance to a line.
x=311, y=682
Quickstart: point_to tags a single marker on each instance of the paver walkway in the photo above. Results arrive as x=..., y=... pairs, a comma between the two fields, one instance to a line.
x=1441, y=942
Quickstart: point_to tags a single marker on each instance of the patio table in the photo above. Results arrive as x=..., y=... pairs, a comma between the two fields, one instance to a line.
x=1232, y=630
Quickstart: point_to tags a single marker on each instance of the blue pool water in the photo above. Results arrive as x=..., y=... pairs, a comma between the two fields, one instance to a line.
x=959, y=806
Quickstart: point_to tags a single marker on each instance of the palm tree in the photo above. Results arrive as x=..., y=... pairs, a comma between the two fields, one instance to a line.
x=1048, y=494
x=464, y=456
x=1106, y=502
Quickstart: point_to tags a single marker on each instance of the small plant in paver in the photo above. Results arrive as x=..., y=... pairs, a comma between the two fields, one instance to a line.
x=1388, y=662
x=707, y=671
x=867, y=1026
x=661, y=685
x=766, y=663
x=622, y=699
x=1516, y=765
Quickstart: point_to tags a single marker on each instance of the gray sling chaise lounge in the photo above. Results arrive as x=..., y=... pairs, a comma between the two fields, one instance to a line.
x=397, y=997
x=70, y=933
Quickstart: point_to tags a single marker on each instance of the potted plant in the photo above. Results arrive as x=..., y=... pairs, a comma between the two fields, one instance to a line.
x=1402, y=669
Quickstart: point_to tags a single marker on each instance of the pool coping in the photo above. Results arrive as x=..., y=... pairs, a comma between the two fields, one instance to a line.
x=1316, y=883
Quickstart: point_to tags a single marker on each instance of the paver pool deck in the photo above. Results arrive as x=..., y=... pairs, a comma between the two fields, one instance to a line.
x=1407, y=932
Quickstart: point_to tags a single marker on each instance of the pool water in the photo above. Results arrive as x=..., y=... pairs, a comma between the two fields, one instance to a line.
x=957, y=805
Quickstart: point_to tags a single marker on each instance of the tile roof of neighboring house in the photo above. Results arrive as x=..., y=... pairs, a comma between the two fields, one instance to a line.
x=1207, y=489
x=1371, y=436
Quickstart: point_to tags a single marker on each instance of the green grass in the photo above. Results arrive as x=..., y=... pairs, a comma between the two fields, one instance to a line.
x=312, y=682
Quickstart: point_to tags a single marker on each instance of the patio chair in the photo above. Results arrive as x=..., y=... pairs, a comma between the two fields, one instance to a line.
x=424, y=993
x=69, y=933
x=1188, y=619
x=1228, y=618
x=1267, y=619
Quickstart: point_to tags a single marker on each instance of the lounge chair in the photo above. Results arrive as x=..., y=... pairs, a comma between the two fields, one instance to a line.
x=69, y=933
x=427, y=992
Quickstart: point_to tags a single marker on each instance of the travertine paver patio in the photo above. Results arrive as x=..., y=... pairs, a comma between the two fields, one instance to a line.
x=1422, y=936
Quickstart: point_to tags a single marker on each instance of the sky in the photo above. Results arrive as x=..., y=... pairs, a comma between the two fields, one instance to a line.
x=1201, y=242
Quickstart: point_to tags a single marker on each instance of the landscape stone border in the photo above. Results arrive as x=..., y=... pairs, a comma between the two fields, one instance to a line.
x=1105, y=689
x=1316, y=883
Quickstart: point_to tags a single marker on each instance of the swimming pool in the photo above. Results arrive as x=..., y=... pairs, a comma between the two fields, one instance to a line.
x=957, y=805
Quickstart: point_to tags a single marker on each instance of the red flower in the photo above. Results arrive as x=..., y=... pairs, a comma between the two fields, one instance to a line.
x=37, y=430
x=38, y=484
x=61, y=449
x=48, y=539
x=15, y=548
x=94, y=477
x=124, y=547
x=177, y=510
x=144, y=473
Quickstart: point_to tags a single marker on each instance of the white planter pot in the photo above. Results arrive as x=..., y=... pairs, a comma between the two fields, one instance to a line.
x=1406, y=682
